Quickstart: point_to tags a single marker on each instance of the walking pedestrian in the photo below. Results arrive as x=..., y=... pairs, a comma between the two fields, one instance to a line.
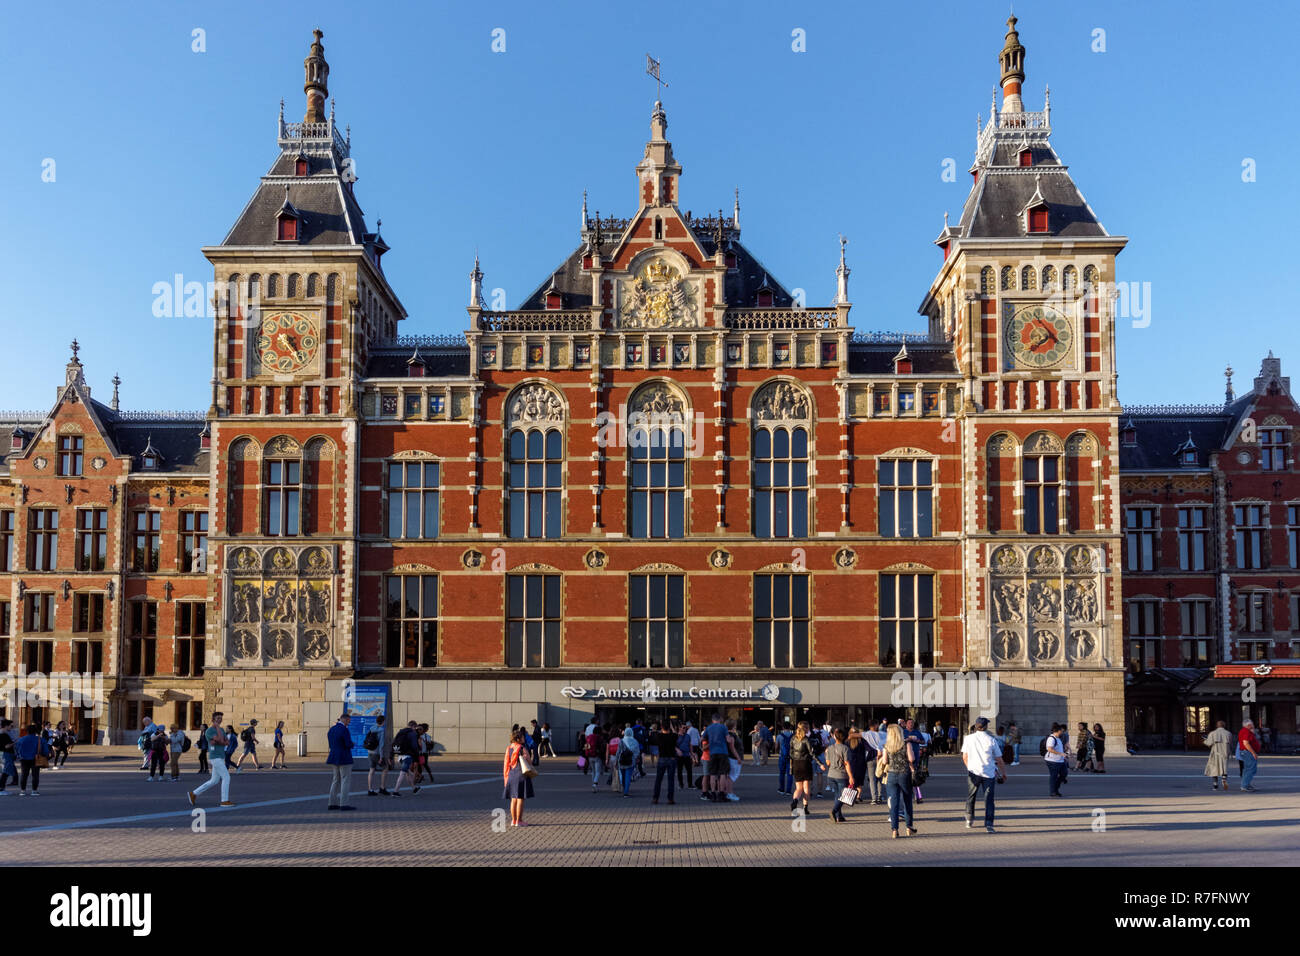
x=858, y=761
x=216, y=741
x=9, y=772
x=819, y=768
x=952, y=737
x=33, y=753
x=1082, y=759
x=873, y=741
x=594, y=750
x=1055, y=755
x=1218, y=741
x=625, y=758
x=424, y=746
x=718, y=739
x=405, y=746
x=837, y=772
x=158, y=747
x=232, y=744
x=249, y=739
x=685, y=762
x=898, y=765
x=201, y=747
x=177, y=740
x=61, y=742
x=1013, y=738
x=144, y=740
x=277, y=758
x=801, y=764
x=784, y=778
x=374, y=744
x=518, y=784
x=641, y=736
x=547, y=749
x=756, y=741
x=670, y=751
x=982, y=755
x=340, y=763
x=1249, y=746
x=1099, y=747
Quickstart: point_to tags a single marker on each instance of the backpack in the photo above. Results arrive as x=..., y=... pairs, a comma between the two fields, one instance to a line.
x=1042, y=747
x=402, y=742
x=625, y=757
x=371, y=741
x=186, y=743
x=1008, y=754
x=159, y=743
x=246, y=734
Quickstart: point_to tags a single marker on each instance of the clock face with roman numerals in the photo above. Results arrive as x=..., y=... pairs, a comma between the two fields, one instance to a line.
x=287, y=341
x=1039, y=336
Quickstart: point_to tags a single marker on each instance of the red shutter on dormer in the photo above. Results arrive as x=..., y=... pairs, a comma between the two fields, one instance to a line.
x=903, y=367
x=288, y=229
x=765, y=300
x=1038, y=219
x=300, y=168
x=554, y=300
x=944, y=247
x=1026, y=157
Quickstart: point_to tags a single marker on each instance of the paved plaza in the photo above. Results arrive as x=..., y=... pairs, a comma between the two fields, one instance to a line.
x=1158, y=810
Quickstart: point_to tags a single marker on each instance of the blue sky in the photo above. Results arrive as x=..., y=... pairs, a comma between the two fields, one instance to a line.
x=458, y=148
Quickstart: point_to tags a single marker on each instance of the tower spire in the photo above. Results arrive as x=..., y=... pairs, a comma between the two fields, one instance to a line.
x=1012, y=61
x=316, y=81
x=842, y=276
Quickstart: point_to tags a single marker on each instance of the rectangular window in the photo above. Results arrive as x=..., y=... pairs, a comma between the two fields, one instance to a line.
x=6, y=626
x=905, y=497
x=1143, y=655
x=1295, y=614
x=413, y=499
x=1140, y=538
x=1143, y=618
x=1292, y=535
x=146, y=540
x=283, y=495
x=1253, y=650
x=1248, y=533
x=194, y=542
x=411, y=620
x=1042, y=494
x=534, y=479
x=92, y=539
x=88, y=612
x=532, y=620
x=6, y=541
x=1193, y=538
x=781, y=483
x=88, y=657
x=1196, y=653
x=656, y=620
x=38, y=656
x=39, y=612
x=907, y=620
x=191, y=626
x=781, y=620
x=70, y=452
x=657, y=483
x=1252, y=612
x=144, y=619
x=1197, y=618
x=42, y=539
x=1272, y=448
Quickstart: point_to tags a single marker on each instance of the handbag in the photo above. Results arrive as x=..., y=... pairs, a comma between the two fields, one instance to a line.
x=42, y=760
x=848, y=796
x=525, y=766
x=582, y=763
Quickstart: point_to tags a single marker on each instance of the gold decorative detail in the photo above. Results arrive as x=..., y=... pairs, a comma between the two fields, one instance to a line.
x=1000, y=445
x=906, y=453
x=658, y=298
x=282, y=446
x=413, y=569
x=596, y=559
x=279, y=559
x=315, y=559
x=908, y=566
x=1044, y=559
x=244, y=559
x=1081, y=560
x=1040, y=443
x=534, y=566
x=413, y=454
x=656, y=566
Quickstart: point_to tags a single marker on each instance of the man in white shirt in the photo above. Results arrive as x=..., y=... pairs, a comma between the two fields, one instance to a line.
x=1055, y=757
x=984, y=770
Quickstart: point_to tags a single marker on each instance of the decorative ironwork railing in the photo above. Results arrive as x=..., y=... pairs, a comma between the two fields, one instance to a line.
x=1173, y=410
x=23, y=416
x=894, y=338
x=534, y=321
x=291, y=133
x=762, y=320
x=432, y=341
x=162, y=416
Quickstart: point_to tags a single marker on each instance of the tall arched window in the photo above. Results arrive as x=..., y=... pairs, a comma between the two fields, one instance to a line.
x=1008, y=278
x=1028, y=279
x=657, y=441
x=987, y=281
x=782, y=422
x=282, y=487
x=534, y=463
x=1041, y=472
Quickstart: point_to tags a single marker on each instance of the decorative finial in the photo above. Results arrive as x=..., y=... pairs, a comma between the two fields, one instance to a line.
x=945, y=219
x=584, y=209
x=76, y=348
x=117, y=381
x=721, y=236
x=735, y=216
x=842, y=274
x=652, y=69
x=1228, y=394
x=379, y=224
x=599, y=239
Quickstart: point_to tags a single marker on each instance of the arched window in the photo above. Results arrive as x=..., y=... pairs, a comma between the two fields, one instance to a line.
x=657, y=441
x=987, y=279
x=282, y=487
x=1049, y=278
x=1070, y=279
x=783, y=416
x=536, y=477
x=1041, y=473
x=1028, y=280
x=1008, y=278
x=1091, y=280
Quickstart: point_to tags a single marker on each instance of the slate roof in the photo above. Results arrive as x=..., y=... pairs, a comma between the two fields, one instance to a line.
x=1161, y=435
x=877, y=358
x=389, y=361
x=741, y=285
x=331, y=215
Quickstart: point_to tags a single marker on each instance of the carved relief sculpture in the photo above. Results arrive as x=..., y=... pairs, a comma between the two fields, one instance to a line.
x=781, y=401
x=536, y=403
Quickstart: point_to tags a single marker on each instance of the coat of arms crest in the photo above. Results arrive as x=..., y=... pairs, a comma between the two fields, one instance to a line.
x=658, y=298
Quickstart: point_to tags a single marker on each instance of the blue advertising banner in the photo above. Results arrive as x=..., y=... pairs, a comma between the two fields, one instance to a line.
x=369, y=702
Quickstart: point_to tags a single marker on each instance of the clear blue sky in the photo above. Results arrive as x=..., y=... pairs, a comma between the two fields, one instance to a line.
x=157, y=149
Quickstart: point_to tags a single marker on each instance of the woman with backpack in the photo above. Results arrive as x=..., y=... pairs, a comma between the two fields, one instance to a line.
x=204, y=766
x=801, y=765
x=158, y=747
x=897, y=764
x=519, y=787
x=625, y=758
x=277, y=759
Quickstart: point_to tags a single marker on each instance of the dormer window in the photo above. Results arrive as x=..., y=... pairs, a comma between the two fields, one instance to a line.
x=17, y=440
x=287, y=229
x=763, y=299
x=1037, y=219
x=1129, y=437
x=1189, y=457
x=300, y=165
x=1026, y=156
x=150, y=459
x=415, y=366
x=903, y=361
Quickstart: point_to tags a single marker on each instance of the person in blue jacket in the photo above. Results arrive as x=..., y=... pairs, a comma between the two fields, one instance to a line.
x=784, y=774
x=340, y=763
x=28, y=749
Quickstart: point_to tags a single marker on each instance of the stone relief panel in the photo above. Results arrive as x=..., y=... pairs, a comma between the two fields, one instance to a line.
x=278, y=606
x=782, y=402
x=534, y=404
x=1045, y=604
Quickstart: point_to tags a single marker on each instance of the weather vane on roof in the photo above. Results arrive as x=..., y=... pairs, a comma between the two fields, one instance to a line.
x=652, y=69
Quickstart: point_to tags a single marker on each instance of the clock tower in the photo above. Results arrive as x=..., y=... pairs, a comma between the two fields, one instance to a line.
x=1022, y=296
x=302, y=298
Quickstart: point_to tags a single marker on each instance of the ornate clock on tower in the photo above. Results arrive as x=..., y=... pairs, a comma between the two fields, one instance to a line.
x=287, y=341
x=1039, y=336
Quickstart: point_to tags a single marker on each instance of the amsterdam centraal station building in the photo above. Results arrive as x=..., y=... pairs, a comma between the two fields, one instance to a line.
x=659, y=486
